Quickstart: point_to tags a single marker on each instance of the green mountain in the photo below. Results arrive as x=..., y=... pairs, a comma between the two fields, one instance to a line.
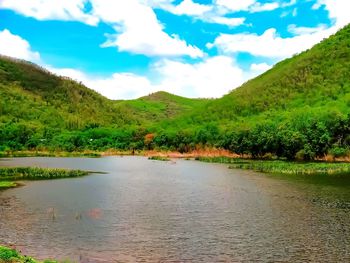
x=299, y=108
x=37, y=106
x=319, y=77
x=160, y=106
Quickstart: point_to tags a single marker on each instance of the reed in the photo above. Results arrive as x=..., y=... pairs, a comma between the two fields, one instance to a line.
x=36, y=173
x=159, y=158
x=284, y=167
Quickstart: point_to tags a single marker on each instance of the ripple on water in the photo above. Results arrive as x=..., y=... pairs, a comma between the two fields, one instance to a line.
x=144, y=211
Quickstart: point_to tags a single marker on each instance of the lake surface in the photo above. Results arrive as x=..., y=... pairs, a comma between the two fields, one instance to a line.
x=180, y=211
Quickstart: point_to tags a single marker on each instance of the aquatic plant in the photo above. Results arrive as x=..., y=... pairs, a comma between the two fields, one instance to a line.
x=11, y=255
x=283, y=167
x=5, y=185
x=36, y=173
x=159, y=158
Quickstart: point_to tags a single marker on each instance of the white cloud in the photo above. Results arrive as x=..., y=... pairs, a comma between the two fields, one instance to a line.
x=137, y=27
x=212, y=77
x=305, y=30
x=258, y=7
x=235, y=5
x=139, y=31
x=15, y=46
x=188, y=7
x=69, y=10
x=260, y=68
x=231, y=22
x=269, y=44
x=337, y=9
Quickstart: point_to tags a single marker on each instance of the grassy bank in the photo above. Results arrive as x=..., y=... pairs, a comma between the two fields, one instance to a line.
x=8, y=255
x=284, y=167
x=49, y=154
x=10, y=174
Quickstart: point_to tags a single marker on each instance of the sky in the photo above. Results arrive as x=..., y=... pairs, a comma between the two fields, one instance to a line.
x=125, y=49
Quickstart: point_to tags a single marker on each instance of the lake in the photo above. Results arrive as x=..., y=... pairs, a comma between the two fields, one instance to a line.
x=179, y=211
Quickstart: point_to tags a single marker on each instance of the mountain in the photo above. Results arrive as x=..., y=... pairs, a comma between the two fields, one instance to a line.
x=38, y=105
x=160, y=106
x=317, y=78
x=298, y=109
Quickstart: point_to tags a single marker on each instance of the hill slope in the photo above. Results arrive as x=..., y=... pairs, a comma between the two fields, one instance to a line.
x=37, y=106
x=160, y=106
x=316, y=78
x=299, y=108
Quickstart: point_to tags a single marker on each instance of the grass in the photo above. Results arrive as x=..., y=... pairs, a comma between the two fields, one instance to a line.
x=8, y=255
x=159, y=158
x=49, y=154
x=10, y=174
x=6, y=184
x=36, y=173
x=284, y=167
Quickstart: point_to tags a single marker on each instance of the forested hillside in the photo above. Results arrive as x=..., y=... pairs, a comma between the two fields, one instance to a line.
x=298, y=109
x=39, y=109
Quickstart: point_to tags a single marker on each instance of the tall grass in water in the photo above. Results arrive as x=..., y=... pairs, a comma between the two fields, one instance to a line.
x=8, y=255
x=36, y=173
x=284, y=167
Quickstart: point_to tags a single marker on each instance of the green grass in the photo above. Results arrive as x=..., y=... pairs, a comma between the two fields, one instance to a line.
x=49, y=154
x=8, y=255
x=6, y=184
x=284, y=167
x=159, y=158
x=36, y=173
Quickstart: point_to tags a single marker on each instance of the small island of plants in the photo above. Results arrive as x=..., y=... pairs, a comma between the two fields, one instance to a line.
x=9, y=175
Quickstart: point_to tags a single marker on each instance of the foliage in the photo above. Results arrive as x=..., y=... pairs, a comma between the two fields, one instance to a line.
x=159, y=158
x=36, y=173
x=283, y=167
x=8, y=255
x=6, y=184
x=297, y=110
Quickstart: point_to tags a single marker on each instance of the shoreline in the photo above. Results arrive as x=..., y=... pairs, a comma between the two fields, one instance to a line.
x=325, y=166
x=201, y=153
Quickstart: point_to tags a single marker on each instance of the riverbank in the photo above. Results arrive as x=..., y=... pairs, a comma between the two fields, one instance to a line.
x=326, y=165
x=283, y=167
x=8, y=255
x=9, y=175
x=207, y=152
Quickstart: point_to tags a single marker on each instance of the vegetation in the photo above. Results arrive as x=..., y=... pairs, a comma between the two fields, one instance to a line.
x=27, y=153
x=6, y=184
x=297, y=110
x=159, y=158
x=283, y=167
x=10, y=174
x=8, y=255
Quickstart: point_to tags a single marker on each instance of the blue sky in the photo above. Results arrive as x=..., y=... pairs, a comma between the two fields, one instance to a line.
x=194, y=48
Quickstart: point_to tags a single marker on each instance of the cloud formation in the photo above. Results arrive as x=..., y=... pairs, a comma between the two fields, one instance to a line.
x=67, y=10
x=15, y=46
x=212, y=77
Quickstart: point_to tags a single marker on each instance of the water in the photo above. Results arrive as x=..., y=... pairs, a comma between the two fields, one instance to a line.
x=182, y=211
